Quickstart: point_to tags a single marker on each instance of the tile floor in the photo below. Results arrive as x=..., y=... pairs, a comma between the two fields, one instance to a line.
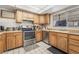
x=42, y=49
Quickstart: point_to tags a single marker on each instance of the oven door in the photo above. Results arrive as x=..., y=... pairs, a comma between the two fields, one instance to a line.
x=29, y=38
x=29, y=35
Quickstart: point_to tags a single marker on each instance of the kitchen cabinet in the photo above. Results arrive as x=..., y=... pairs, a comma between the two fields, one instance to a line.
x=3, y=37
x=2, y=43
x=62, y=41
x=73, y=44
x=27, y=16
x=19, y=16
x=38, y=36
x=47, y=18
x=42, y=19
x=14, y=40
x=19, y=40
x=30, y=16
x=10, y=41
x=59, y=40
x=36, y=19
x=53, y=38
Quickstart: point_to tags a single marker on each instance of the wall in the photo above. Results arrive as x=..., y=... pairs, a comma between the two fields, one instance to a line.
x=12, y=23
x=8, y=22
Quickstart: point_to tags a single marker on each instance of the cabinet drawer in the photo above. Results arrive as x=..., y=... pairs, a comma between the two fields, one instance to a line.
x=52, y=33
x=74, y=37
x=10, y=34
x=74, y=42
x=62, y=34
x=74, y=48
x=18, y=33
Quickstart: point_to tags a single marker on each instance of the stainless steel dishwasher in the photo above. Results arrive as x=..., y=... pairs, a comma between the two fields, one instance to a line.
x=45, y=37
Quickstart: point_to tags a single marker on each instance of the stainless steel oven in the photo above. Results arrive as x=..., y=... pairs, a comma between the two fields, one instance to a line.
x=28, y=36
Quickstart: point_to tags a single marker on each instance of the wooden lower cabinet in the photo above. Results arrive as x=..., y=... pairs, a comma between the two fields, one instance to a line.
x=59, y=40
x=38, y=36
x=74, y=44
x=53, y=38
x=14, y=40
x=62, y=43
x=10, y=42
x=2, y=43
x=1, y=46
x=19, y=40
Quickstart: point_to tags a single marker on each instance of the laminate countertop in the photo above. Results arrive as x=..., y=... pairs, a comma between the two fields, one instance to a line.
x=63, y=31
x=2, y=32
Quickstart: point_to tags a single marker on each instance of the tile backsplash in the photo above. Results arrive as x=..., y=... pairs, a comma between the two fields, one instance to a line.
x=8, y=22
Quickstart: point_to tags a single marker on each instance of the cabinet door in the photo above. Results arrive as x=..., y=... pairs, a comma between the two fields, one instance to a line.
x=30, y=16
x=25, y=15
x=62, y=43
x=53, y=39
x=19, y=40
x=38, y=35
x=1, y=45
x=47, y=18
x=42, y=19
x=19, y=16
x=74, y=45
x=3, y=37
x=10, y=41
x=36, y=19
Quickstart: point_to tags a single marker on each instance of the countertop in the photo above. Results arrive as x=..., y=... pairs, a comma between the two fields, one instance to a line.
x=9, y=31
x=60, y=31
x=63, y=31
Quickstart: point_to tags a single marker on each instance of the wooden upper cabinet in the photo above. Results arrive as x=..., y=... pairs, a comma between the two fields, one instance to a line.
x=18, y=16
x=42, y=19
x=27, y=15
x=47, y=18
x=36, y=19
x=30, y=16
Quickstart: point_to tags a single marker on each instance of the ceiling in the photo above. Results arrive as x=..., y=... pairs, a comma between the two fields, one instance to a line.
x=40, y=9
x=34, y=8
